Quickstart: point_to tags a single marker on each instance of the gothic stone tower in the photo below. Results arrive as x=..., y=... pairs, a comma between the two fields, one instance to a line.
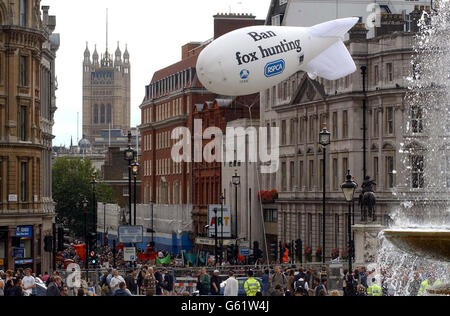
x=106, y=92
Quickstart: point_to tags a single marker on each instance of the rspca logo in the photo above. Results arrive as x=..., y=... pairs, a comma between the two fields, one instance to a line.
x=274, y=68
x=244, y=74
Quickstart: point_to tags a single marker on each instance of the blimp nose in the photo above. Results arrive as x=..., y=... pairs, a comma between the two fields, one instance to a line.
x=209, y=70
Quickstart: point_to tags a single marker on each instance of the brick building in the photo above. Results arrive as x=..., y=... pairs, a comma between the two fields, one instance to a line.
x=169, y=103
x=208, y=176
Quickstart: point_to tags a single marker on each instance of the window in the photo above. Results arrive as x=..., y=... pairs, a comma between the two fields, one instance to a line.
x=336, y=231
x=274, y=96
x=309, y=231
x=390, y=173
x=102, y=114
x=311, y=129
x=390, y=72
x=345, y=124
x=311, y=175
x=95, y=114
x=300, y=175
x=416, y=120
x=271, y=215
x=389, y=120
x=301, y=130
x=283, y=177
x=23, y=123
x=267, y=93
x=375, y=169
x=319, y=230
x=23, y=71
x=376, y=123
x=321, y=175
x=109, y=114
x=23, y=13
x=335, y=174
x=417, y=168
x=335, y=126
x=376, y=74
x=23, y=181
x=283, y=132
x=292, y=178
x=292, y=134
x=125, y=191
x=344, y=167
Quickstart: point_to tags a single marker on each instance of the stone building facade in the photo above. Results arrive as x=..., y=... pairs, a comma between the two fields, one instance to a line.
x=106, y=92
x=170, y=100
x=27, y=104
x=300, y=106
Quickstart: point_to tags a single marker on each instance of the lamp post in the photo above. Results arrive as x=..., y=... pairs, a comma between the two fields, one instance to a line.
x=94, y=204
x=215, y=235
x=85, y=205
x=222, y=199
x=129, y=156
x=105, y=243
x=324, y=140
x=153, y=240
x=236, y=179
x=364, y=74
x=348, y=188
x=135, y=169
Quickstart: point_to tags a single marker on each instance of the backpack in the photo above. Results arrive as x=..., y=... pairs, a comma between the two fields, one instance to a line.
x=299, y=286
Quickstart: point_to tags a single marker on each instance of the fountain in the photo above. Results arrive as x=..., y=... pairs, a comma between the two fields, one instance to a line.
x=420, y=236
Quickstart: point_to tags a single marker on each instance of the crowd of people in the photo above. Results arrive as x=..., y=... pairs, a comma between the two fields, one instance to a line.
x=147, y=278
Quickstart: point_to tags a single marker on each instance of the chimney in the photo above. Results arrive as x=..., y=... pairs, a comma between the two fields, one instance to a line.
x=187, y=50
x=45, y=9
x=358, y=32
x=416, y=15
x=225, y=23
x=390, y=23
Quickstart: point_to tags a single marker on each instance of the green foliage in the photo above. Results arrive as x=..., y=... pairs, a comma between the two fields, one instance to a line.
x=71, y=184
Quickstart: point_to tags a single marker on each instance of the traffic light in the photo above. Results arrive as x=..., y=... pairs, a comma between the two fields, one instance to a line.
x=257, y=253
x=92, y=241
x=230, y=251
x=93, y=258
x=48, y=243
x=61, y=237
x=281, y=252
x=274, y=251
x=299, y=249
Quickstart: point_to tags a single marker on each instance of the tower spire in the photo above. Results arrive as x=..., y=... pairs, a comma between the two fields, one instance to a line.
x=106, y=30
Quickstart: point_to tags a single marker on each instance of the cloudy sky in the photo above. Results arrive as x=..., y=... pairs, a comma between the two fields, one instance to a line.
x=154, y=31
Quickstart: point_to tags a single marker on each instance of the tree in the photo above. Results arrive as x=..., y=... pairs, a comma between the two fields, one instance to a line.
x=71, y=184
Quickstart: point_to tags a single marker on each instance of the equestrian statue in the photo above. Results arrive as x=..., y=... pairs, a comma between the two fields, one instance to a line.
x=367, y=200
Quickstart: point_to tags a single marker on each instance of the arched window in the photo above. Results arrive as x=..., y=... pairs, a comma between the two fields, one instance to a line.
x=96, y=114
x=109, y=114
x=102, y=114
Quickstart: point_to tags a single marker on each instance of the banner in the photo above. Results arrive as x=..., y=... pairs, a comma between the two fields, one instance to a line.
x=81, y=251
x=165, y=260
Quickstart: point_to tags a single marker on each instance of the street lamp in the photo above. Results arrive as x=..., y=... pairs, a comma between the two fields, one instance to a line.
x=236, y=179
x=85, y=205
x=129, y=156
x=348, y=188
x=135, y=170
x=94, y=204
x=222, y=199
x=324, y=140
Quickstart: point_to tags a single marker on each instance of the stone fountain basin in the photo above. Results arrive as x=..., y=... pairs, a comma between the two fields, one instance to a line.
x=430, y=244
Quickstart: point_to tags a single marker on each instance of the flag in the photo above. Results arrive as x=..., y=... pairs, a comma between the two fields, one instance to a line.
x=81, y=251
x=286, y=256
x=165, y=260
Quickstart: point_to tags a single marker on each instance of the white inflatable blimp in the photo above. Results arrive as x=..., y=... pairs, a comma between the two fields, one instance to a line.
x=252, y=59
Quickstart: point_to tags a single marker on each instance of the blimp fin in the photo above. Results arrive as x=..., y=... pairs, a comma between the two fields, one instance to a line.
x=334, y=63
x=335, y=28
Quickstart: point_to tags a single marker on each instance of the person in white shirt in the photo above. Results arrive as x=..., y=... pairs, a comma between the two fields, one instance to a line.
x=231, y=286
x=28, y=282
x=115, y=281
